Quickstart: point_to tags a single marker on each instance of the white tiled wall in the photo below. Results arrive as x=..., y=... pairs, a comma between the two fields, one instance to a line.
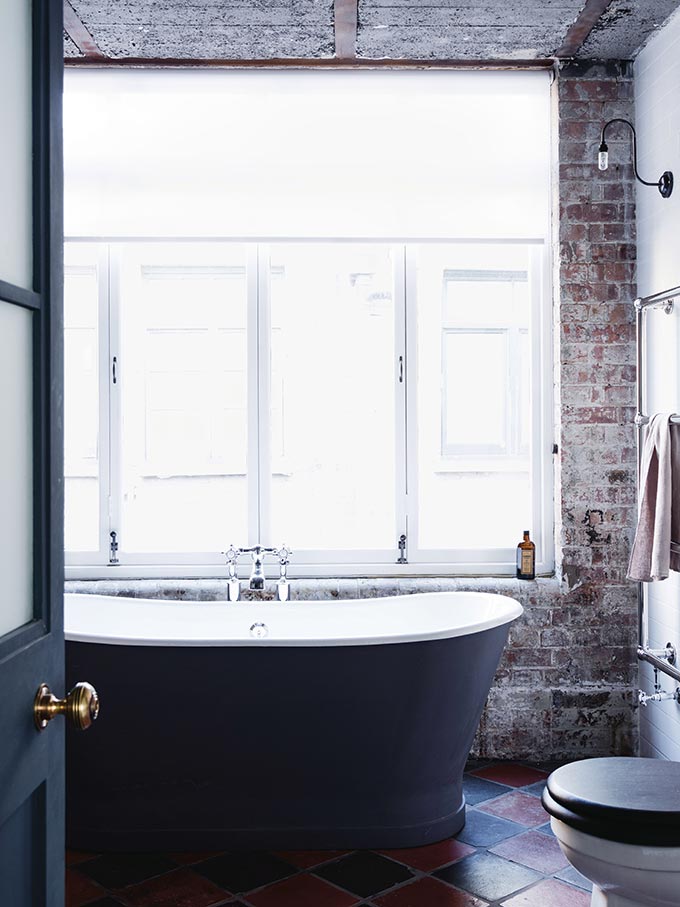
x=657, y=104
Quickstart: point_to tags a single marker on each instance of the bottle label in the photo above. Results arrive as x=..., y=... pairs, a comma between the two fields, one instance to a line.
x=527, y=562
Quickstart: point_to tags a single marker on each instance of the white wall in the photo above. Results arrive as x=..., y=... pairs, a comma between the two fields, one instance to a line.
x=657, y=100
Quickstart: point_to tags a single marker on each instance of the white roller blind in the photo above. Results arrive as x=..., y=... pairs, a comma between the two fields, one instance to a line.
x=286, y=154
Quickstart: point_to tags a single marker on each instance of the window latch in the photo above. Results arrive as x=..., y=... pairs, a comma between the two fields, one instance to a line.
x=113, y=549
x=401, y=545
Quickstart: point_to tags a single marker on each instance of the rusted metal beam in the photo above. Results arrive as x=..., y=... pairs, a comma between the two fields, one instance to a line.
x=579, y=31
x=303, y=63
x=346, y=26
x=79, y=34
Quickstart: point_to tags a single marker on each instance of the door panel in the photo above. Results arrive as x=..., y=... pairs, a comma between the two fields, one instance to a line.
x=31, y=461
x=21, y=835
x=16, y=178
x=16, y=458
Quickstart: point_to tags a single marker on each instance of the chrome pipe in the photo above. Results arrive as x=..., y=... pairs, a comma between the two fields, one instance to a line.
x=663, y=300
x=644, y=654
x=658, y=300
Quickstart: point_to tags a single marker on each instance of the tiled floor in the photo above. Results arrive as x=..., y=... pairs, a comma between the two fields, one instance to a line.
x=506, y=856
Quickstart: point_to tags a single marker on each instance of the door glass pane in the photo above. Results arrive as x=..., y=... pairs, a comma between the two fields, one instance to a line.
x=333, y=397
x=81, y=400
x=473, y=379
x=16, y=466
x=183, y=379
x=16, y=184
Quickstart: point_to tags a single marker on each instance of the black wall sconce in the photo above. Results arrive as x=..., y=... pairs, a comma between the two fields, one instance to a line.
x=665, y=181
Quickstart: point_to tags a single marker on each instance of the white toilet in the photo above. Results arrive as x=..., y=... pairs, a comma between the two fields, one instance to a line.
x=617, y=821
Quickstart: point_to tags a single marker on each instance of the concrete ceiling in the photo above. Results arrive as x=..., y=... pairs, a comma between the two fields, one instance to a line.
x=101, y=31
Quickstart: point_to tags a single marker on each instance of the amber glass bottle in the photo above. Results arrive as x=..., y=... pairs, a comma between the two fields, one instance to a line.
x=526, y=558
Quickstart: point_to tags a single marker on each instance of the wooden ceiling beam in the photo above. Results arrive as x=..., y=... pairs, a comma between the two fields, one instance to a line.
x=346, y=26
x=80, y=35
x=578, y=32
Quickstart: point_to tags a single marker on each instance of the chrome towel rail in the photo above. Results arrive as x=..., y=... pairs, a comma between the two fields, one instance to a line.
x=665, y=301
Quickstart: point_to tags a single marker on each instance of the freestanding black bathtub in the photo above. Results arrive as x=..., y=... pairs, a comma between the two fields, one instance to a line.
x=298, y=725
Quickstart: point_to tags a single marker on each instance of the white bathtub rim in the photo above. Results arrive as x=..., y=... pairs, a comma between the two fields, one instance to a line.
x=126, y=621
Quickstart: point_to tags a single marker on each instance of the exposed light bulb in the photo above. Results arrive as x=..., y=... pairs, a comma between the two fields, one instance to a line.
x=603, y=157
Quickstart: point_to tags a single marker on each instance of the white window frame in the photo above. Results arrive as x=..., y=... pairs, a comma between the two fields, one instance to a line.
x=348, y=562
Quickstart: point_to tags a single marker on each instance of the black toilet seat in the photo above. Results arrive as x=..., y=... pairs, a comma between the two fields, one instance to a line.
x=630, y=800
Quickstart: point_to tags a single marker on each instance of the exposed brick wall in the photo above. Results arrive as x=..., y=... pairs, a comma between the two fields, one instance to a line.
x=566, y=685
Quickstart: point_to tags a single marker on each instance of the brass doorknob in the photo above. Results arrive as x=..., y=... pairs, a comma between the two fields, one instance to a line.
x=81, y=706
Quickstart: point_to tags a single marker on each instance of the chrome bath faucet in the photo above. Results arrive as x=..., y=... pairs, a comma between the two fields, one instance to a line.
x=257, y=577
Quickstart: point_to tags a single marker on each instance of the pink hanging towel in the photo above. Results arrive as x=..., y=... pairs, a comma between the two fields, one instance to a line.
x=656, y=548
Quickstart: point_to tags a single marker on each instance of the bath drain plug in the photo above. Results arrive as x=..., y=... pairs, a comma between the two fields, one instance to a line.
x=259, y=631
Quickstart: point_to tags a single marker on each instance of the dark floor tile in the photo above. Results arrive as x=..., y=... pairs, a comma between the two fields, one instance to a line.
x=305, y=859
x=106, y=902
x=181, y=888
x=428, y=892
x=239, y=872
x=364, y=873
x=431, y=856
x=477, y=790
x=73, y=857
x=511, y=773
x=539, y=852
x=483, y=830
x=546, y=829
x=487, y=876
x=549, y=893
x=302, y=891
x=80, y=890
x=116, y=870
x=536, y=788
x=574, y=877
x=517, y=806
x=186, y=858
x=473, y=764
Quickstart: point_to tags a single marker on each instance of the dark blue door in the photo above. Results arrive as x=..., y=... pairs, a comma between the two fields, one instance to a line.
x=31, y=508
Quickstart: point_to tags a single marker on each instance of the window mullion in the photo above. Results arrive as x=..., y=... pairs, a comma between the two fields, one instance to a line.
x=264, y=340
x=113, y=399
x=103, y=376
x=401, y=371
x=411, y=398
x=253, y=464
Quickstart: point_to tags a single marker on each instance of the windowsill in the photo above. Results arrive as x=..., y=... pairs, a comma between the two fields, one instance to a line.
x=322, y=589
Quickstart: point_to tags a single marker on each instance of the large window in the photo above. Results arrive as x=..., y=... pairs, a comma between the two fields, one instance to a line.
x=311, y=308
x=335, y=396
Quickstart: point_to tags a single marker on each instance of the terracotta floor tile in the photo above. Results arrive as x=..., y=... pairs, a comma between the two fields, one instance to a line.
x=428, y=893
x=304, y=859
x=511, y=774
x=181, y=888
x=550, y=894
x=80, y=890
x=432, y=856
x=302, y=891
x=535, y=850
x=517, y=806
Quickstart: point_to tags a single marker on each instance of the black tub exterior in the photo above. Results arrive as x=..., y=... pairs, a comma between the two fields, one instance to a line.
x=276, y=747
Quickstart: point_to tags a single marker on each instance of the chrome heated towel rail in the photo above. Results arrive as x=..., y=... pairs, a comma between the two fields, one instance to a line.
x=662, y=659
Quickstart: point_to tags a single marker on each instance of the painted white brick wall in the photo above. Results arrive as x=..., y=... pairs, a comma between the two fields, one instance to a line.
x=657, y=104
